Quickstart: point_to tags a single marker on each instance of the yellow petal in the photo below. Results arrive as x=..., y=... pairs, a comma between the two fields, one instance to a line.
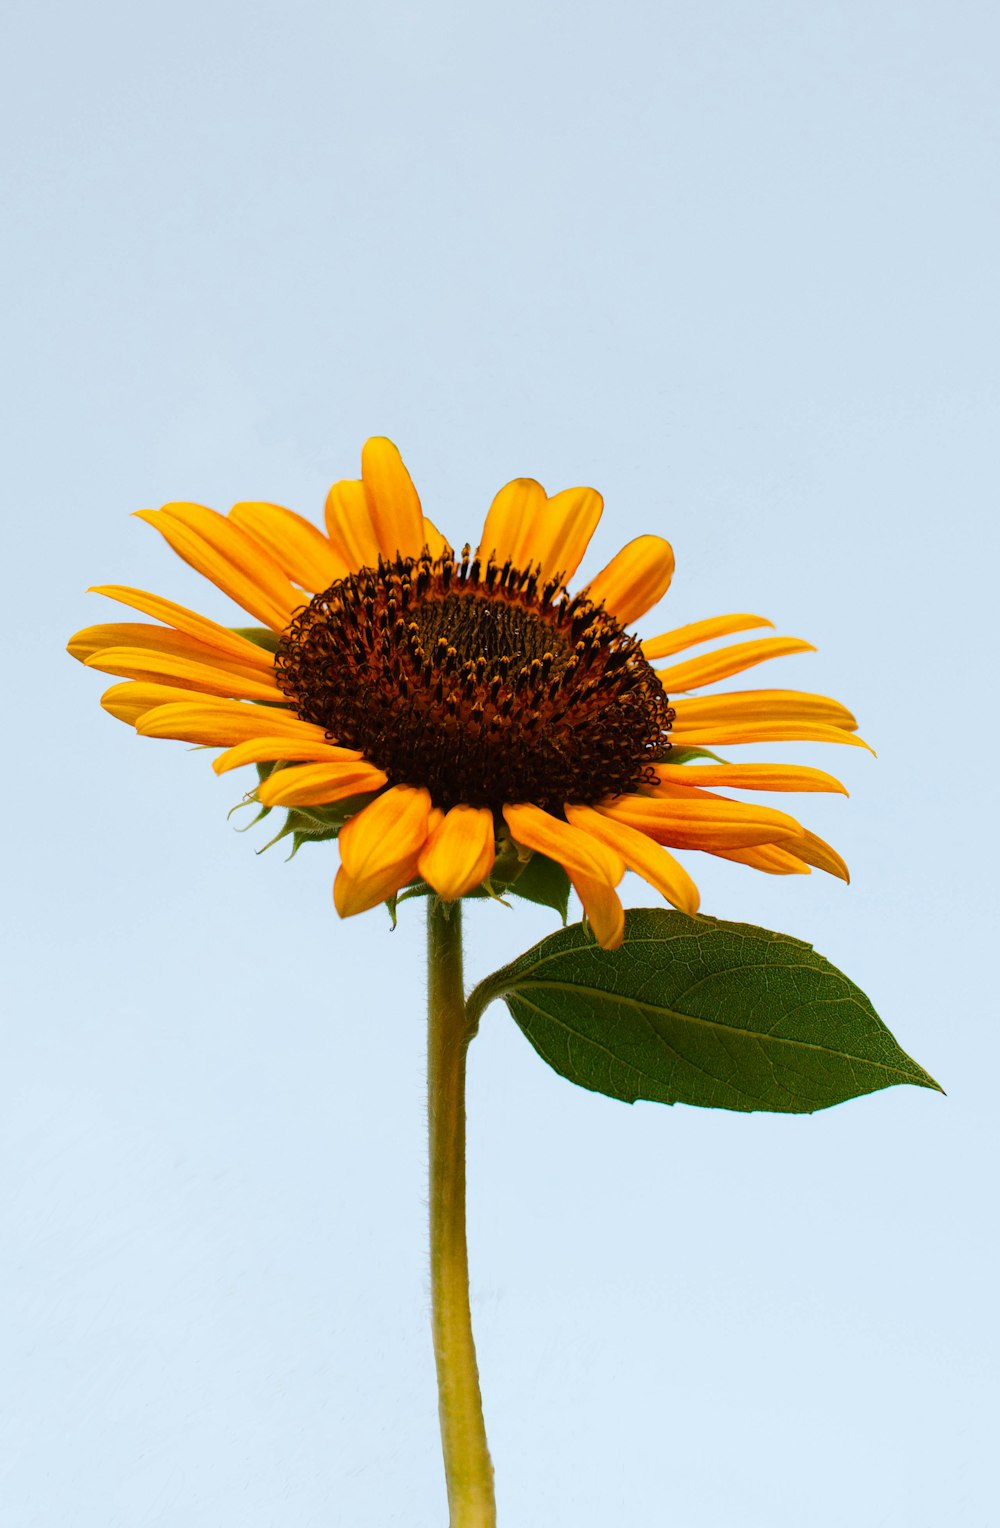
x=763, y=732
x=395, y=506
x=728, y=660
x=557, y=535
x=654, y=863
x=379, y=849
x=459, y=852
x=815, y=851
x=750, y=777
x=138, y=663
x=602, y=907
x=349, y=525
x=129, y=702
x=188, y=621
x=635, y=579
x=508, y=523
x=702, y=824
x=301, y=551
x=264, y=750
x=573, y=849
x=593, y=867
x=437, y=544
x=767, y=857
x=352, y=532
x=700, y=631
x=319, y=784
x=219, y=723
x=164, y=639
x=700, y=711
x=228, y=557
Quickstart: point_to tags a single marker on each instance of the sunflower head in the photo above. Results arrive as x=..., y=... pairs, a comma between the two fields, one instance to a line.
x=479, y=681
x=441, y=710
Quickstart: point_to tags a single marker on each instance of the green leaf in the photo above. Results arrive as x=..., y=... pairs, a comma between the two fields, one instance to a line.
x=697, y=1011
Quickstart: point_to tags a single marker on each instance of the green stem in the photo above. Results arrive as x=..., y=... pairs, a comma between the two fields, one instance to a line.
x=467, y=1466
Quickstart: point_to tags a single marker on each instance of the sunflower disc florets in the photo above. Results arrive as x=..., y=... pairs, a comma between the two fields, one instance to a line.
x=478, y=681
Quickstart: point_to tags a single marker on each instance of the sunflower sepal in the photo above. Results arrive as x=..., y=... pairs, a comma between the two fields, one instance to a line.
x=534, y=879
x=260, y=636
x=701, y=1012
x=680, y=755
x=251, y=799
x=543, y=882
x=423, y=889
x=310, y=825
x=332, y=818
x=261, y=813
x=301, y=832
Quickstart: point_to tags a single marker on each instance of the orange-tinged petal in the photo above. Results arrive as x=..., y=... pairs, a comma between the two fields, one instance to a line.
x=264, y=750
x=750, y=777
x=319, y=784
x=129, y=702
x=593, y=867
x=763, y=732
x=635, y=579
x=650, y=860
x=139, y=663
x=667, y=790
x=459, y=853
x=227, y=556
x=602, y=907
x=437, y=544
x=509, y=521
x=791, y=857
x=349, y=525
x=163, y=639
x=700, y=711
x=815, y=851
x=188, y=621
x=301, y=551
x=217, y=723
x=767, y=857
x=380, y=847
x=557, y=535
x=727, y=661
x=700, y=631
x=395, y=506
x=702, y=824
x=571, y=847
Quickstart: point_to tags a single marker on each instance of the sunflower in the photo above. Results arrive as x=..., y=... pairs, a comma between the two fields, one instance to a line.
x=468, y=706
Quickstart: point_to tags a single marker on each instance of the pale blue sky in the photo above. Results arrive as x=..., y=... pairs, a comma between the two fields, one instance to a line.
x=735, y=265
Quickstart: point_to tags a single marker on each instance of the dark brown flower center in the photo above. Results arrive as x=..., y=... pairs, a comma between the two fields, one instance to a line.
x=478, y=682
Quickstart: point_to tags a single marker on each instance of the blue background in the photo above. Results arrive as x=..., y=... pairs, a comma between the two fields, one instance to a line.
x=735, y=265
